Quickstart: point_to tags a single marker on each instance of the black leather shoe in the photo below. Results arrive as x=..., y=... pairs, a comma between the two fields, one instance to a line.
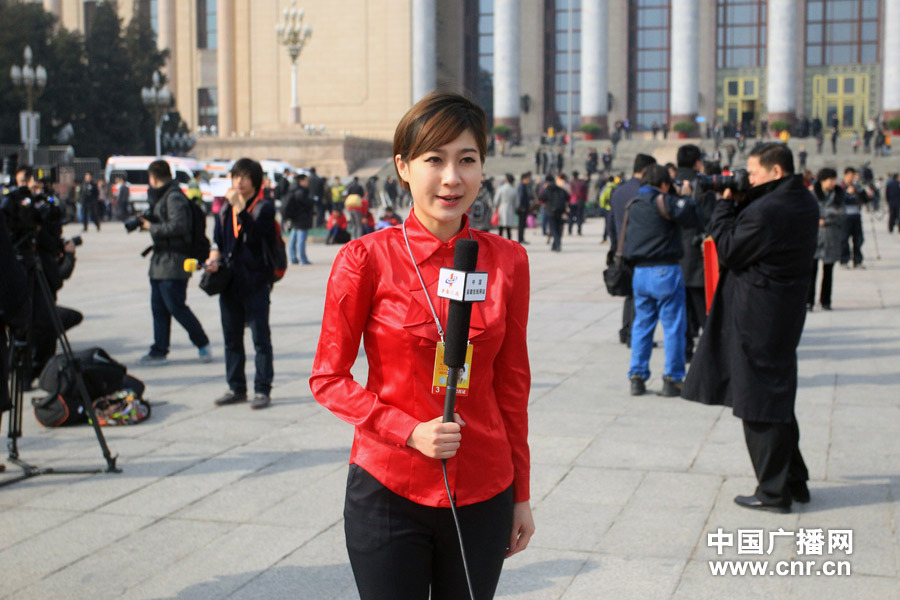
x=637, y=385
x=757, y=504
x=671, y=389
x=799, y=492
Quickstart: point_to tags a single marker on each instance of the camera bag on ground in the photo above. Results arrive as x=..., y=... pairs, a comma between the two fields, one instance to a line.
x=102, y=375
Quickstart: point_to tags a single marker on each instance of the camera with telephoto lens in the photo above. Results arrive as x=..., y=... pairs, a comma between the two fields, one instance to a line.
x=738, y=182
x=76, y=239
x=132, y=224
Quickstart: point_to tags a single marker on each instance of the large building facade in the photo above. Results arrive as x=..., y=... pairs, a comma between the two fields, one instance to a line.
x=533, y=64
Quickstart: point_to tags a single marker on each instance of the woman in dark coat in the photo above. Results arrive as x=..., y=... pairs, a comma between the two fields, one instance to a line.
x=828, y=250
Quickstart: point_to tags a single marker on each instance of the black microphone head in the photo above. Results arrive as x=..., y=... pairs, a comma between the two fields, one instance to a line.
x=459, y=313
x=466, y=255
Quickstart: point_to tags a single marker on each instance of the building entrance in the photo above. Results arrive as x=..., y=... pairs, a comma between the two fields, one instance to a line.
x=844, y=99
x=742, y=104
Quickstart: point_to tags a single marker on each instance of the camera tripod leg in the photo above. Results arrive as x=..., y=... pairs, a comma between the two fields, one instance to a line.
x=20, y=377
x=79, y=378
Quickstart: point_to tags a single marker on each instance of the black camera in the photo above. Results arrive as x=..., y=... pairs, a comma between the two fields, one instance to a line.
x=738, y=182
x=76, y=239
x=132, y=224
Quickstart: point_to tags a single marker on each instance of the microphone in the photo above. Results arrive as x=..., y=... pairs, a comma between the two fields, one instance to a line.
x=459, y=314
x=192, y=265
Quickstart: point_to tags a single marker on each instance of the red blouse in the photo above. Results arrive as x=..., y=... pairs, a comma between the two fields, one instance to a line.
x=373, y=291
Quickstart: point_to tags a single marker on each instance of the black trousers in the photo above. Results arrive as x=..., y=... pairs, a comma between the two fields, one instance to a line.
x=775, y=453
x=627, y=320
x=852, y=229
x=827, y=279
x=523, y=221
x=400, y=550
x=894, y=218
x=247, y=308
x=695, y=301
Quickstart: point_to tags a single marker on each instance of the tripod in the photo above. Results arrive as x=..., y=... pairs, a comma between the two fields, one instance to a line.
x=20, y=377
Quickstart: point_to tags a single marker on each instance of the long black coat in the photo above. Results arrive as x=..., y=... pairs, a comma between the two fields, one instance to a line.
x=747, y=355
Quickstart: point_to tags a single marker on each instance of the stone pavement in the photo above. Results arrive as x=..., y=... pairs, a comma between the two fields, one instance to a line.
x=229, y=503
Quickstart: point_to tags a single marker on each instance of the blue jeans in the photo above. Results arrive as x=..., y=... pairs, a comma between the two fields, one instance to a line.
x=658, y=296
x=251, y=308
x=297, y=245
x=168, y=299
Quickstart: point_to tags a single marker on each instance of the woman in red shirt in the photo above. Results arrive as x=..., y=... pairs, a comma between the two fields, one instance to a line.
x=400, y=532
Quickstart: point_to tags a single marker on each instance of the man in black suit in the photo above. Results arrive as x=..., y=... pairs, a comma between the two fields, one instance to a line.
x=747, y=357
x=892, y=195
x=617, y=201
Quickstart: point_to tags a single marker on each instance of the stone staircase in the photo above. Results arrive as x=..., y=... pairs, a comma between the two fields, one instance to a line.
x=520, y=158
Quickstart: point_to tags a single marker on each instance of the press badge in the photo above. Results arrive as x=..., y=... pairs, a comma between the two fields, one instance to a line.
x=439, y=383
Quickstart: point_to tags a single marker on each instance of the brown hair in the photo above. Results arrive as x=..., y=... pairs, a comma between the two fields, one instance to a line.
x=435, y=120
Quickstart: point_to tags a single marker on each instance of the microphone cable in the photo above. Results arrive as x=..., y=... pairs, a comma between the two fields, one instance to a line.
x=462, y=549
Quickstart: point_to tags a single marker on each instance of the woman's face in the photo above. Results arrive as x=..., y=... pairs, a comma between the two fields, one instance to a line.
x=443, y=183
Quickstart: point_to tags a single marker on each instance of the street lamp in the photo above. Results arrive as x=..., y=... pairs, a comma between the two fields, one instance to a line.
x=33, y=79
x=293, y=35
x=158, y=99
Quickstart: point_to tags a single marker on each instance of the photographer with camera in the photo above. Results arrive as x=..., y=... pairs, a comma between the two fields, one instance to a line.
x=690, y=166
x=14, y=306
x=35, y=220
x=652, y=245
x=169, y=224
x=747, y=356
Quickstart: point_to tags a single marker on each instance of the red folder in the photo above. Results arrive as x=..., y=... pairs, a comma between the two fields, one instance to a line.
x=710, y=270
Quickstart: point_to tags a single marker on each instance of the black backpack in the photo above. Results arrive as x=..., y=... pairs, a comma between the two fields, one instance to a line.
x=274, y=249
x=102, y=374
x=199, y=245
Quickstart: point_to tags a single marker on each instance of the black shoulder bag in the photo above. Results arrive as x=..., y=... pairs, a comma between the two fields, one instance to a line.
x=617, y=276
x=216, y=283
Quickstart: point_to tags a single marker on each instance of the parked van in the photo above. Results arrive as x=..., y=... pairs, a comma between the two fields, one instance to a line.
x=134, y=168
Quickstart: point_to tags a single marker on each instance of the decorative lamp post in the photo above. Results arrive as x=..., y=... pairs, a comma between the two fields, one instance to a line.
x=158, y=99
x=33, y=79
x=293, y=35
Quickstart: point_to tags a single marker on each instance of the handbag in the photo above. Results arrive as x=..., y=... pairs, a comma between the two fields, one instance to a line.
x=216, y=282
x=617, y=276
x=495, y=218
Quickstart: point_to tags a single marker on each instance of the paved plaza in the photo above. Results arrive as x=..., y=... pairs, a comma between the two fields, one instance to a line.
x=231, y=503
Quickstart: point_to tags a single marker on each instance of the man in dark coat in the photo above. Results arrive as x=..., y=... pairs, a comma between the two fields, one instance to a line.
x=892, y=195
x=690, y=164
x=556, y=199
x=15, y=306
x=90, y=196
x=617, y=202
x=297, y=213
x=526, y=198
x=169, y=224
x=747, y=356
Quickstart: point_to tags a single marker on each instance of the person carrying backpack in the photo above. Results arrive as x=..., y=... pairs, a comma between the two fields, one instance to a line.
x=243, y=237
x=170, y=222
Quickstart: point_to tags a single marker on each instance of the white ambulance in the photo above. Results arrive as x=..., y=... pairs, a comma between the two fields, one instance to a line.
x=134, y=168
